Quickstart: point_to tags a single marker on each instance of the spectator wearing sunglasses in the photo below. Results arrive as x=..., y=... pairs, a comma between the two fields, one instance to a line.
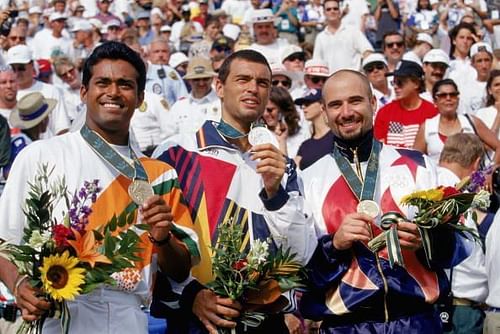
x=263, y=23
x=436, y=63
x=393, y=46
x=341, y=45
x=375, y=68
x=315, y=74
x=397, y=123
x=434, y=132
x=20, y=58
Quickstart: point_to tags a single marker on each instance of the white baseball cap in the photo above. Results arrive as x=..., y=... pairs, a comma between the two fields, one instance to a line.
x=165, y=28
x=57, y=16
x=478, y=47
x=19, y=54
x=374, y=58
x=35, y=10
x=279, y=69
x=177, y=58
x=290, y=50
x=424, y=37
x=437, y=56
x=263, y=15
x=316, y=67
x=231, y=30
x=82, y=25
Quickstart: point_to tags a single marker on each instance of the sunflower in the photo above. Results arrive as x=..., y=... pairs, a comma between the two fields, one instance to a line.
x=60, y=277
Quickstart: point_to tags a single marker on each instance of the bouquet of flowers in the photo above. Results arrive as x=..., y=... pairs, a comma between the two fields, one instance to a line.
x=437, y=206
x=62, y=257
x=255, y=279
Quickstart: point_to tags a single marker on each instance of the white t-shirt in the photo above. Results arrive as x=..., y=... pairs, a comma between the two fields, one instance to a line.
x=342, y=49
x=272, y=51
x=44, y=45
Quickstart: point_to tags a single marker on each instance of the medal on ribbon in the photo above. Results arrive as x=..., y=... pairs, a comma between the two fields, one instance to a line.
x=140, y=189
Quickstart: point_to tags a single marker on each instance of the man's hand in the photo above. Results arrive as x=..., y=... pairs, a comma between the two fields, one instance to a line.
x=32, y=307
x=409, y=236
x=271, y=166
x=213, y=310
x=157, y=214
x=354, y=227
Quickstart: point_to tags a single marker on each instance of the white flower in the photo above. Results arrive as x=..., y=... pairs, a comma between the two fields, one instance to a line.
x=258, y=254
x=37, y=240
x=481, y=200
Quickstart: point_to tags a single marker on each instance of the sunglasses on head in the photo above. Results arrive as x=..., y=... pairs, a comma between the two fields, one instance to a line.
x=284, y=83
x=451, y=95
x=371, y=67
x=398, y=44
x=317, y=80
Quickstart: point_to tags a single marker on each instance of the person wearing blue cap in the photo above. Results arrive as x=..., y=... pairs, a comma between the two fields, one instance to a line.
x=397, y=123
x=321, y=141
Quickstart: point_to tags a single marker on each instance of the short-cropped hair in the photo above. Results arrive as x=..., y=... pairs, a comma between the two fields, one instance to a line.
x=463, y=149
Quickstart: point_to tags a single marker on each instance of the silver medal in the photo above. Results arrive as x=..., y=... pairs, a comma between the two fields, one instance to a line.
x=369, y=208
x=261, y=135
x=140, y=191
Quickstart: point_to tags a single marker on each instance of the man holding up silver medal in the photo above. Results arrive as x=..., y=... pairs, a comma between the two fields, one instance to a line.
x=101, y=155
x=352, y=289
x=233, y=170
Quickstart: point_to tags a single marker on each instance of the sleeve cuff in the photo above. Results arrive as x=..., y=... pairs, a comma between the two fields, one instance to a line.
x=277, y=201
x=189, y=294
x=332, y=253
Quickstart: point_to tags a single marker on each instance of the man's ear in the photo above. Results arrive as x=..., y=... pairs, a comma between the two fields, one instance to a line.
x=476, y=164
x=219, y=88
x=140, y=99
x=83, y=94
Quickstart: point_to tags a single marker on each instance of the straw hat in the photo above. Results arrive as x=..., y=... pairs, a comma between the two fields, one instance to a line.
x=31, y=109
x=199, y=68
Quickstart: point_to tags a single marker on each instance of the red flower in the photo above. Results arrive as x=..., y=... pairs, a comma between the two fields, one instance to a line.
x=449, y=191
x=61, y=235
x=240, y=264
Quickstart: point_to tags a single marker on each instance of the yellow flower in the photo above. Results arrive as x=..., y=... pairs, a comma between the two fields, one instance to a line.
x=60, y=277
x=434, y=195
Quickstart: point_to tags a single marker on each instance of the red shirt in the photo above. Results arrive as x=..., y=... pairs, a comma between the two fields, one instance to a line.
x=397, y=126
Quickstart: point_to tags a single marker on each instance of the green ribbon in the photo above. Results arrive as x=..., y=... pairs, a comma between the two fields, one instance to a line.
x=229, y=131
x=362, y=190
x=389, y=223
x=108, y=154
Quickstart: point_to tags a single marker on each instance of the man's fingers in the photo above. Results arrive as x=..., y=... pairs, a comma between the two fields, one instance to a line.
x=220, y=322
x=158, y=218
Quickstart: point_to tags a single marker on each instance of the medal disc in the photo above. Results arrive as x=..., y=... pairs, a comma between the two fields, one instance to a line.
x=369, y=208
x=261, y=135
x=140, y=191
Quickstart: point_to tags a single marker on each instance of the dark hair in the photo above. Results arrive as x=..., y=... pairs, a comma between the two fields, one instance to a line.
x=391, y=33
x=115, y=51
x=283, y=100
x=443, y=82
x=248, y=55
x=211, y=19
x=490, y=99
x=419, y=8
x=454, y=32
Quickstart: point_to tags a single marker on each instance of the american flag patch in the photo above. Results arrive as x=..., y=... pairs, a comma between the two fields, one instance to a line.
x=402, y=135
